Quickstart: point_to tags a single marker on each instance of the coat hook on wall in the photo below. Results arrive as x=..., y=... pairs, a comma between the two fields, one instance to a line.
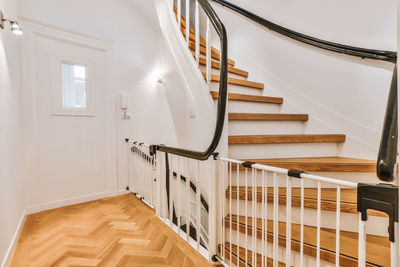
x=15, y=28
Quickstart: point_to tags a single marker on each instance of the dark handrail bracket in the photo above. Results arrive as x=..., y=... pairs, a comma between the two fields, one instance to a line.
x=380, y=197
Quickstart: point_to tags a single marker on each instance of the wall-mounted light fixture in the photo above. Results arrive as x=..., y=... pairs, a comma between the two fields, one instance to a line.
x=15, y=28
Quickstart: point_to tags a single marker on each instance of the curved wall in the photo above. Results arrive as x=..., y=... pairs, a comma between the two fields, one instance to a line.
x=342, y=94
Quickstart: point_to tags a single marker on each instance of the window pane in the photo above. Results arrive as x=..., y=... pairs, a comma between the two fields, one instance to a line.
x=73, y=86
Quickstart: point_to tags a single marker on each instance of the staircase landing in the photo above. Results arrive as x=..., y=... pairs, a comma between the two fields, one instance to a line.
x=118, y=231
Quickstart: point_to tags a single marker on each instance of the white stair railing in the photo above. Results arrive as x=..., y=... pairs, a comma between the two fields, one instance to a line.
x=253, y=228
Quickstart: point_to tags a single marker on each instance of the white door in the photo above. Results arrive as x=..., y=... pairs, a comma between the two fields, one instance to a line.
x=75, y=130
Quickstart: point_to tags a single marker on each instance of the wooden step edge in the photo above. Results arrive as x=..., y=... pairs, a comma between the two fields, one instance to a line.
x=250, y=98
x=242, y=256
x=267, y=117
x=286, y=139
x=214, y=55
x=310, y=248
x=346, y=205
x=235, y=81
x=217, y=65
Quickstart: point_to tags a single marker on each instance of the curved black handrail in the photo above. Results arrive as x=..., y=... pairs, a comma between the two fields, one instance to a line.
x=331, y=46
x=223, y=92
x=387, y=157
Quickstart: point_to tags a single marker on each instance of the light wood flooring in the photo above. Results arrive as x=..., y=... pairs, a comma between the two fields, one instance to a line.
x=117, y=231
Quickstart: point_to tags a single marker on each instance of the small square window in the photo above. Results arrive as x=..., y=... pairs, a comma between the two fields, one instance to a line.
x=73, y=86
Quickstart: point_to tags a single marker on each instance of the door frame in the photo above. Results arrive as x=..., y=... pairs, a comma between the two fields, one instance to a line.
x=33, y=29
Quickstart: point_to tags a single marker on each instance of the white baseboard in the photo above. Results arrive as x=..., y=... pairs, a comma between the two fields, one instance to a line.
x=14, y=241
x=72, y=201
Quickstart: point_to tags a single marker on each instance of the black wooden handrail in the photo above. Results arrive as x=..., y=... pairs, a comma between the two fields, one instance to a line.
x=387, y=158
x=331, y=46
x=223, y=92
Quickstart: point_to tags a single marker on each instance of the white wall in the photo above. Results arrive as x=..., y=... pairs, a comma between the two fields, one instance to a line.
x=341, y=93
x=12, y=198
x=158, y=115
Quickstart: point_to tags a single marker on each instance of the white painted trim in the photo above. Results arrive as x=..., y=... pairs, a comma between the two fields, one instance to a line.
x=72, y=201
x=14, y=241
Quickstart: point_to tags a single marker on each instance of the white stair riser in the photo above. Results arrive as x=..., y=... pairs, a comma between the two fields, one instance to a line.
x=238, y=89
x=266, y=127
x=260, y=151
x=349, y=221
x=253, y=107
x=218, y=72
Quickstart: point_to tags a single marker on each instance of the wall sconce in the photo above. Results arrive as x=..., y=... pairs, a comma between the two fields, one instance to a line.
x=15, y=28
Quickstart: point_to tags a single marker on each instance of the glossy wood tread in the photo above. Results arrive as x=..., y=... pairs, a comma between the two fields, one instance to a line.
x=214, y=53
x=378, y=248
x=321, y=164
x=267, y=117
x=348, y=199
x=217, y=65
x=118, y=231
x=235, y=81
x=286, y=139
x=250, y=98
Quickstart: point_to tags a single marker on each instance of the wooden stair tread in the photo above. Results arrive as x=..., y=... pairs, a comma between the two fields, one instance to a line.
x=348, y=198
x=217, y=65
x=322, y=164
x=285, y=139
x=378, y=248
x=214, y=53
x=250, y=98
x=267, y=117
x=242, y=256
x=235, y=81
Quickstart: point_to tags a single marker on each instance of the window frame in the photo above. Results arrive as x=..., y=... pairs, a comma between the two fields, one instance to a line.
x=58, y=107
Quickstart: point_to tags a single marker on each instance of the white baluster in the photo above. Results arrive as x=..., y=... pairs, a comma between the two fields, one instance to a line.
x=237, y=212
x=179, y=192
x=302, y=224
x=179, y=14
x=187, y=22
x=188, y=200
x=245, y=211
x=198, y=208
x=197, y=34
x=171, y=178
x=288, y=220
x=338, y=200
x=230, y=211
x=254, y=215
x=319, y=225
x=361, y=242
x=263, y=216
x=208, y=53
x=212, y=215
x=276, y=221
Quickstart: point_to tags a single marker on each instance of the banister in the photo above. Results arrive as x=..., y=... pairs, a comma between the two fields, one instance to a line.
x=387, y=157
x=323, y=44
x=222, y=99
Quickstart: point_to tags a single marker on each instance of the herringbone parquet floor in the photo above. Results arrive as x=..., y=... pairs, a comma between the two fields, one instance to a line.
x=118, y=231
